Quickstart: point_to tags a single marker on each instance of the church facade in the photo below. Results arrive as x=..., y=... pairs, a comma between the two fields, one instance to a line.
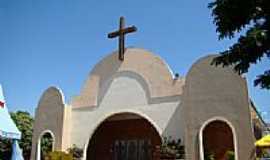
x=138, y=102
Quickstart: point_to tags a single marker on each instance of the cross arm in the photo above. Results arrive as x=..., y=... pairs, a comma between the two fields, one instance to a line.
x=130, y=29
x=114, y=34
x=122, y=31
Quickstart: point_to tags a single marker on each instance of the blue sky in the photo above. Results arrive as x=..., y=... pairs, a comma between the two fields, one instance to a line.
x=57, y=42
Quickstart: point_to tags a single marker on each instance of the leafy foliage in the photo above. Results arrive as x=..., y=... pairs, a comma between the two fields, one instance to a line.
x=46, y=144
x=172, y=148
x=5, y=149
x=24, y=122
x=209, y=156
x=252, y=16
x=58, y=155
x=230, y=155
x=76, y=152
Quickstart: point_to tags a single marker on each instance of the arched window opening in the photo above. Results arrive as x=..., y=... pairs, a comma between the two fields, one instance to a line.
x=217, y=141
x=45, y=145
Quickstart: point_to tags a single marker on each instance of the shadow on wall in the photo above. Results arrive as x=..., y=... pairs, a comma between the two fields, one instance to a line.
x=175, y=124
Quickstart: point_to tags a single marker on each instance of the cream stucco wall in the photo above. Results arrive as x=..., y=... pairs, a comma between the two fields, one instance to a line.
x=126, y=94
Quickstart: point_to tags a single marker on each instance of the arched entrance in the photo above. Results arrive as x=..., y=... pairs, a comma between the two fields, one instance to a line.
x=45, y=144
x=123, y=136
x=217, y=140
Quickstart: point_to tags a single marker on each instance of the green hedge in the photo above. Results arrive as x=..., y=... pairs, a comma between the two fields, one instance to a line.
x=58, y=155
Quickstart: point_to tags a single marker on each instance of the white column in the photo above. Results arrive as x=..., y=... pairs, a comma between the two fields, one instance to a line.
x=38, y=150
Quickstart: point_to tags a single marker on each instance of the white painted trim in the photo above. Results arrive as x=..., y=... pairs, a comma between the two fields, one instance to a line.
x=110, y=114
x=232, y=129
x=39, y=141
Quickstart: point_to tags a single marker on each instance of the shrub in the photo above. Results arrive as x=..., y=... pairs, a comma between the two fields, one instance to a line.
x=58, y=155
x=230, y=155
x=76, y=152
x=172, y=148
x=209, y=156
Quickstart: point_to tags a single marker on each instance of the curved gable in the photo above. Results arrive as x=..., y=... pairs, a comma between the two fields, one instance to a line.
x=51, y=94
x=216, y=93
x=207, y=80
x=150, y=67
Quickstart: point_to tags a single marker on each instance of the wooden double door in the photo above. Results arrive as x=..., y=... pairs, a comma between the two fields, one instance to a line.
x=134, y=149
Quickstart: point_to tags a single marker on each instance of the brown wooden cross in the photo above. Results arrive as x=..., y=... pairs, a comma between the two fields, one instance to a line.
x=121, y=34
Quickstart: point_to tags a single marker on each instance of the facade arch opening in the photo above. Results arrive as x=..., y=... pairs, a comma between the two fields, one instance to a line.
x=124, y=136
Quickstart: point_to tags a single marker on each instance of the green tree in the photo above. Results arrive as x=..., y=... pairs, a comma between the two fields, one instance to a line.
x=5, y=149
x=24, y=121
x=252, y=19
